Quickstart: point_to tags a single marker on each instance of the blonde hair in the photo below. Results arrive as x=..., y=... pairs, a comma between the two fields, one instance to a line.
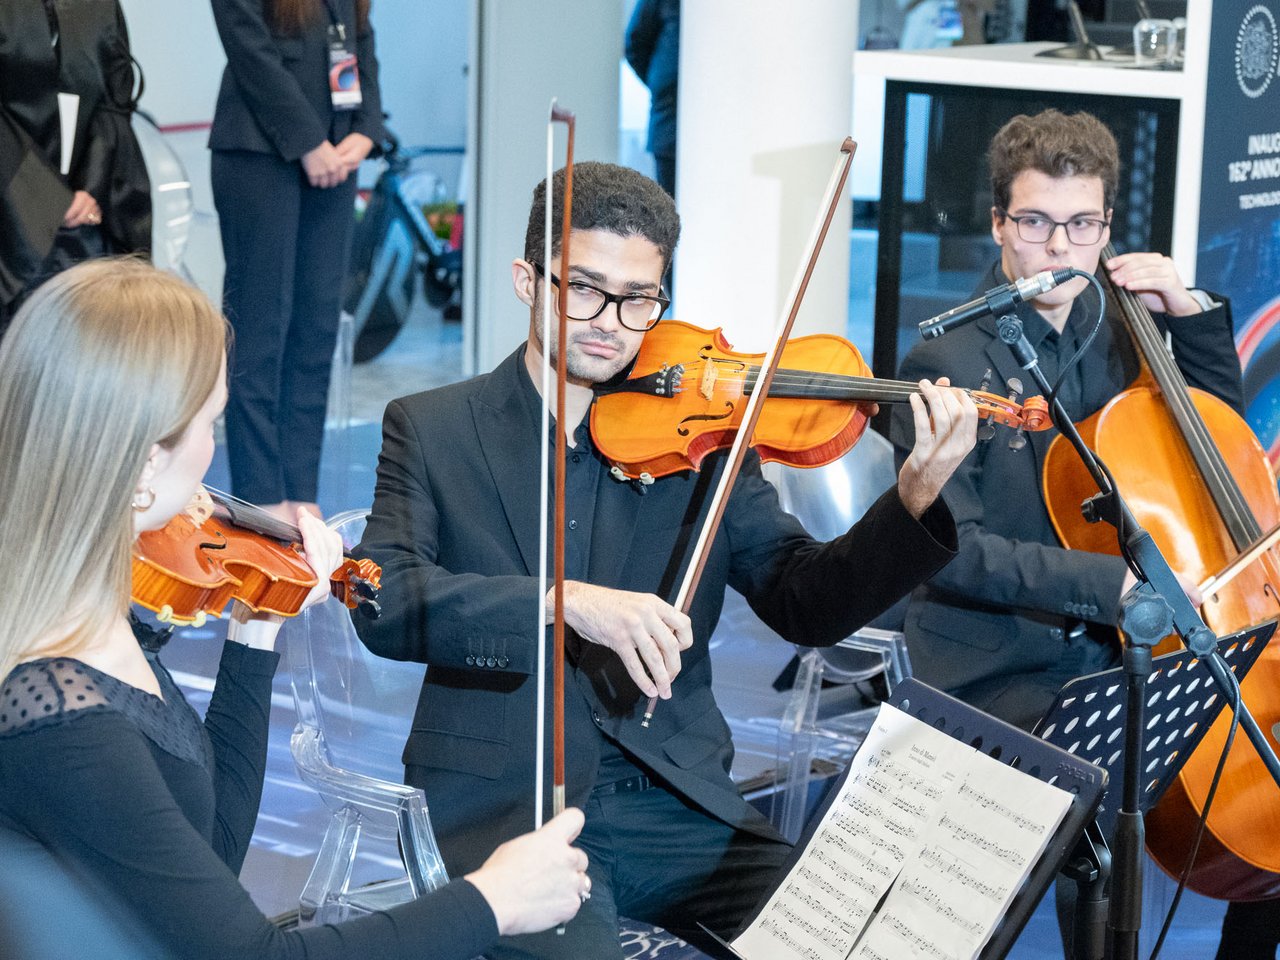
x=103, y=361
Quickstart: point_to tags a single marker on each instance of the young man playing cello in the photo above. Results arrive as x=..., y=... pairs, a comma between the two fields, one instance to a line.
x=1017, y=615
x=454, y=526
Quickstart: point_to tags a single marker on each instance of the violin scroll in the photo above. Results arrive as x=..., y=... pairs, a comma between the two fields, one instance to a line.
x=1031, y=415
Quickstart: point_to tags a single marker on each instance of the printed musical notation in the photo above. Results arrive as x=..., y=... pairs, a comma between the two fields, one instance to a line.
x=972, y=837
x=942, y=863
x=995, y=806
x=882, y=766
x=916, y=848
x=782, y=938
x=910, y=932
x=796, y=921
x=935, y=902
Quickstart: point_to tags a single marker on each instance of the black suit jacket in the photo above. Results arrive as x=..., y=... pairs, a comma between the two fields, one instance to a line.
x=989, y=625
x=455, y=528
x=91, y=61
x=274, y=96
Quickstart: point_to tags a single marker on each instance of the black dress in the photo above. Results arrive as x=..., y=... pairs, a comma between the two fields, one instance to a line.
x=80, y=47
x=149, y=812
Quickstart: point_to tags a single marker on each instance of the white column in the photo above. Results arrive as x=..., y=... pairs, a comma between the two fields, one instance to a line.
x=523, y=54
x=765, y=102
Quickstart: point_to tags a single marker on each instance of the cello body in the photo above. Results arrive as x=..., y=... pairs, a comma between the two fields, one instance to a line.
x=1176, y=487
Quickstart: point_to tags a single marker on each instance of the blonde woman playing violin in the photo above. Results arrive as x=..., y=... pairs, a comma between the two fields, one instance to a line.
x=111, y=378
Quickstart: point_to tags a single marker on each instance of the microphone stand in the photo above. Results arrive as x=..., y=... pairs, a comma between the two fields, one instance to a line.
x=1083, y=48
x=1147, y=610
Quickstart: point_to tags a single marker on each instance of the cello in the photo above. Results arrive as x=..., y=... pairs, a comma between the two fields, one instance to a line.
x=1197, y=479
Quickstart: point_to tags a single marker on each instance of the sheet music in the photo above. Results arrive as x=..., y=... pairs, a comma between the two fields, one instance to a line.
x=940, y=832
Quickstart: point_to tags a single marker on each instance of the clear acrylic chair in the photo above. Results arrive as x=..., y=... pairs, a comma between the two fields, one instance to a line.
x=824, y=727
x=172, y=203
x=353, y=712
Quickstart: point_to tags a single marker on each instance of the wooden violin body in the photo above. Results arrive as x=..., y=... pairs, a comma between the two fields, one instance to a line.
x=198, y=563
x=1198, y=480
x=689, y=389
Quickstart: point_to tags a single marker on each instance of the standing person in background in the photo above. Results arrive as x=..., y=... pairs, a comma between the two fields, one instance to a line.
x=297, y=113
x=62, y=202
x=653, y=50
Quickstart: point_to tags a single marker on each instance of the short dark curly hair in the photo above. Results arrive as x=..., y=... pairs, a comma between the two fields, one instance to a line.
x=606, y=197
x=1057, y=145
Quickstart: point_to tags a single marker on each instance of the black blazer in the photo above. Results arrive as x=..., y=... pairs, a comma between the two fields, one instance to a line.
x=92, y=61
x=989, y=625
x=274, y=96
x=455, y=528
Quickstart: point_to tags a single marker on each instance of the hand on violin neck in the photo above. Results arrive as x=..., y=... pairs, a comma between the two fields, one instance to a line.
x=322, y=548
x=646, y=632
x=946, y=425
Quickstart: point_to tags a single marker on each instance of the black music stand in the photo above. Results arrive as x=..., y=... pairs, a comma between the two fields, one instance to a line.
x=1087, y=720
x=1011, y=746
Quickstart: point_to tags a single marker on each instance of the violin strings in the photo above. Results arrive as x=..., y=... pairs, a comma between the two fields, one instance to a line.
x=865, y=388
x=254, y=517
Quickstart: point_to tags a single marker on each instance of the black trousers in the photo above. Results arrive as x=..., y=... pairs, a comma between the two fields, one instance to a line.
x=1250, y=931
x=655, y=858
x=287, y=245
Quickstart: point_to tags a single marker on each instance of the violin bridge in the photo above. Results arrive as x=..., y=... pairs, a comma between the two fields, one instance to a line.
x=707, y=385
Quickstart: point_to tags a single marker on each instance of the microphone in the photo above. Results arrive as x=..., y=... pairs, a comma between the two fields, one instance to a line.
x=1000, y=298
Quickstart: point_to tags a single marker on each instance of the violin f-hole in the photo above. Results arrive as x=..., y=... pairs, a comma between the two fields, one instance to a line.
x=697, y=417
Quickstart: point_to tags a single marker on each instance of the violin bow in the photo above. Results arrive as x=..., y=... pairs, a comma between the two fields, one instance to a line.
x=769, y=366
x=557, y=115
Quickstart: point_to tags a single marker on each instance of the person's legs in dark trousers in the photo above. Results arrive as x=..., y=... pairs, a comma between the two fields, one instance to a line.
x=654, y=858
x=257, y=196
x=325, y=226
x=665, y=171
x=1250, y=931
x=665, y=174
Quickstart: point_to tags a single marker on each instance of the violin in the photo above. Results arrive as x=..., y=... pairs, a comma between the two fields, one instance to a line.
x=688, y=388
x=221, y=549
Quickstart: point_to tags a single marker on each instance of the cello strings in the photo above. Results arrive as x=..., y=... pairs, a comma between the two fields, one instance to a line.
x=1223, y=489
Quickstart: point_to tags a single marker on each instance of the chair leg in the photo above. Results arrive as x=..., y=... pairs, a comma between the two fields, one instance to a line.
x=796, y=746
x=321, y=899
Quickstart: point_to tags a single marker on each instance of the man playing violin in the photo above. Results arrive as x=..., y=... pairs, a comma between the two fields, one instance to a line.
x=455, y=528
x=1016, y=615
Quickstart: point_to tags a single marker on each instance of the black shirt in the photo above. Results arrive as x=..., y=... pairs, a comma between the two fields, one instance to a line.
x=584, y=471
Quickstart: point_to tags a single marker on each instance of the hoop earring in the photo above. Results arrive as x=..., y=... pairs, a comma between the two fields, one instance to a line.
x=143, y=501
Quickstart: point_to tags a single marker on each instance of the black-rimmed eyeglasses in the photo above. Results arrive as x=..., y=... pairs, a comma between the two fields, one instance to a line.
x=636, y=311
x=1034, y=228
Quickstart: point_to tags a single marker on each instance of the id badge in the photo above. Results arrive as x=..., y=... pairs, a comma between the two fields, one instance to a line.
x=344, y=78
x=950, y=23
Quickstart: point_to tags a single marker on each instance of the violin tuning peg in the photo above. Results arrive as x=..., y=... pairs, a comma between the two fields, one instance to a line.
x=985, y=384
x=371, y=609
x=1019, y=439
x=1015, y=389
x=986, y=430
